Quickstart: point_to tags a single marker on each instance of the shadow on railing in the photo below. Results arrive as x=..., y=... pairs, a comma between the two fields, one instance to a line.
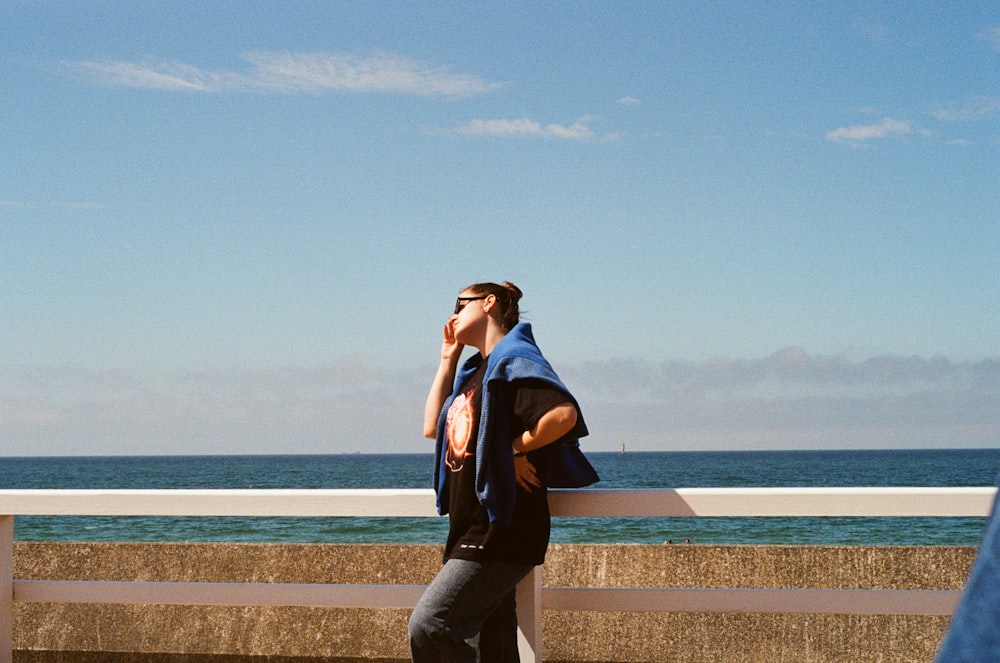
x=532, y=597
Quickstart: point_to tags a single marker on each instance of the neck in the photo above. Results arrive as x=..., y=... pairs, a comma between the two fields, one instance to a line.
x=493, y=336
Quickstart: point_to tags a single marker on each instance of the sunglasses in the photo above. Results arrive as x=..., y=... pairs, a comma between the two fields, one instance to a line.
x=462, y=301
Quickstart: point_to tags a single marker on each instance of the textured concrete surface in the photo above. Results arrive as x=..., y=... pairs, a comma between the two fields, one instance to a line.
x=47, y=633
x=802, y=567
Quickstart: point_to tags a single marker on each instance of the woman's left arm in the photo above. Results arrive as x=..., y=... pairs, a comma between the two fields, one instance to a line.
x=551, y=426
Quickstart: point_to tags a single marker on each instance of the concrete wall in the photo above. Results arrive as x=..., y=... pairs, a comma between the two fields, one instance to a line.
x=177, y=634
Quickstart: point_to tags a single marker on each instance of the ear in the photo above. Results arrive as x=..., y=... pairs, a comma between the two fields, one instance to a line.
x=489, y=303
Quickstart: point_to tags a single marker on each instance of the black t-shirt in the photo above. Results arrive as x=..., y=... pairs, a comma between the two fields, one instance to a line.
x=471, y=535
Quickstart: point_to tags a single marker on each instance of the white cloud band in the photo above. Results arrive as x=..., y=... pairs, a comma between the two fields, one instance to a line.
x=291, y=73
x=787, y=400
x=526, y=128
x=860, y=133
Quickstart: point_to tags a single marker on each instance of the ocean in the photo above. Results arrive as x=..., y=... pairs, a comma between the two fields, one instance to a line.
x=968, y=467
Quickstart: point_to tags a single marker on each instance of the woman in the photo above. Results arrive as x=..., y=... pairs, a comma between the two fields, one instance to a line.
x=494, y=421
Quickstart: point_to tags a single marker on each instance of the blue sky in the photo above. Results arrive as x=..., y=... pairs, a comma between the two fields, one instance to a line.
x=228, y=228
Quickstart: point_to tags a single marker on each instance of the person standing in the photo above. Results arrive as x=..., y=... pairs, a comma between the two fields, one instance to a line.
x=495, y=420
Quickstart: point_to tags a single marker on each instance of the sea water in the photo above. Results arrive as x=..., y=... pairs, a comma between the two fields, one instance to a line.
x=963, y=467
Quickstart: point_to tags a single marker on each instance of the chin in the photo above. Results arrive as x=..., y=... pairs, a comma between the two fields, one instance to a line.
x=464, y=337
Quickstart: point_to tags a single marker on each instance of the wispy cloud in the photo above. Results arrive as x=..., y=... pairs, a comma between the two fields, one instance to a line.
x=628, y=101
x=861, y=133
x=386, y=72
x=971, y=110
x=173, y=76
x=290, y=73
x=526, y=128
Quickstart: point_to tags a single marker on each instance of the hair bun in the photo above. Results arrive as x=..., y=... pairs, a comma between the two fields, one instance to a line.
x=515, y=292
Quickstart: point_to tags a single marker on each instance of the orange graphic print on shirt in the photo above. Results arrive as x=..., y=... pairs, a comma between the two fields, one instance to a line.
x=460, y=429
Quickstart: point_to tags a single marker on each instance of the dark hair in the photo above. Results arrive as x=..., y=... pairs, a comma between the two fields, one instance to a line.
x=507, y=295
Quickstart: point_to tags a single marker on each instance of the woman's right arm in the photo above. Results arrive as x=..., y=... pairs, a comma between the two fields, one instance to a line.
x=444, y=380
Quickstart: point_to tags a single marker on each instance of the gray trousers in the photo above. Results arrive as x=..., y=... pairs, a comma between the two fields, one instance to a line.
x=468, y=614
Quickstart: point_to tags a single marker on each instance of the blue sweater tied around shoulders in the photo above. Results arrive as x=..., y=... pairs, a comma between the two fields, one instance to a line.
x=514, y=357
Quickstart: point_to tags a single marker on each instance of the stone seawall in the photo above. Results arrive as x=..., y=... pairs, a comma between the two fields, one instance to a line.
x=56, y=633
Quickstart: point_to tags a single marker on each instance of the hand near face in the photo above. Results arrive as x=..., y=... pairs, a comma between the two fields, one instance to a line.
x=450, y=347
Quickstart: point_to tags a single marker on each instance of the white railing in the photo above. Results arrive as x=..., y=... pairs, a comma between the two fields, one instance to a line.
x=532, y=597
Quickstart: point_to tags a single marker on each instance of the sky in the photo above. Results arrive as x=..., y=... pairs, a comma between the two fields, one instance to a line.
x=234, y=227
